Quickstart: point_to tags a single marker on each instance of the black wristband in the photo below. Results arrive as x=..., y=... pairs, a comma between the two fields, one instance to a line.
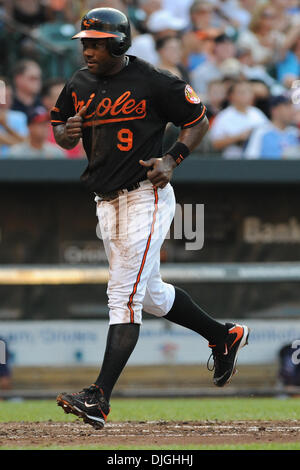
x=179, y=152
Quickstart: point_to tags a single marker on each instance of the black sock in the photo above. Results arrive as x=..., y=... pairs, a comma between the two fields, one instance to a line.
x=121, y=341
x=186, y=312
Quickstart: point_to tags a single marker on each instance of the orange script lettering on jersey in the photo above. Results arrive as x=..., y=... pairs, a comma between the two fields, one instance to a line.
x=123, y=108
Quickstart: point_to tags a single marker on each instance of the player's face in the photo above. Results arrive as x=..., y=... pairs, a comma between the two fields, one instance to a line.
x=97, y=57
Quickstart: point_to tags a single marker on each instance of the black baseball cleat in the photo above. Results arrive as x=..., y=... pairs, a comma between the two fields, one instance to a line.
x=225, y=354
x=89, y=404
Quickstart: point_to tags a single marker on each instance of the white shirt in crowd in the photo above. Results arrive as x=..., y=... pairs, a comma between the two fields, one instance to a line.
x=143, y=46
x=178, y=8
x=231, y=122
x=25, y=150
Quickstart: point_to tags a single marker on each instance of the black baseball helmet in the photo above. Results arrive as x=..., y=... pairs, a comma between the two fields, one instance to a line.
x=107, y=23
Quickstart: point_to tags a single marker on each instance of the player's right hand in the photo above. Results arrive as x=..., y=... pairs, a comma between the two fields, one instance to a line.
x=74, y=124
x=160, y=170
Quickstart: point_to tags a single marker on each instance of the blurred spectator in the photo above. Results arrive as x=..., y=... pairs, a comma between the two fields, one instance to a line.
x=216, y=95
x=288, y=68
x=179, y=8
x=50, y=92
x=232, y=127
x=202, y=15
x=51, y=89
x=118, y=4
x=210, y=43
x=251, y=70
x=276, y=139
x=65, y=10
x=139, y=15
x=262, y=37
x=239, y=12
x=150, y=6
x=37, y=145
x=296, y=109
x=231, y=69
x=206, y=14
x=293, y=9
x=160, y=24
x=13, y=124
x=286, y=15
x=224, y=48
x=27, y=77
x=170, y=55
x=30, y=13
x=262, y=96
x=197, y=41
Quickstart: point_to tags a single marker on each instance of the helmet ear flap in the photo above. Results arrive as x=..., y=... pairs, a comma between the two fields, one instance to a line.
x=118, y=46
x=113, y=47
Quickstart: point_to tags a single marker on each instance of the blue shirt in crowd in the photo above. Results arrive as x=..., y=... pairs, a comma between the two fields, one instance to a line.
x=269, y=142
x=290, y=65
x=17, y=121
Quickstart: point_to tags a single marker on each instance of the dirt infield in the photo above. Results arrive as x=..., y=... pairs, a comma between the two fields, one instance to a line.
x=148, y=433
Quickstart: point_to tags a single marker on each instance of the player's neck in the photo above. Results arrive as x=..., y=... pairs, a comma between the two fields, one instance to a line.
x=123, y=63
x=119, y=65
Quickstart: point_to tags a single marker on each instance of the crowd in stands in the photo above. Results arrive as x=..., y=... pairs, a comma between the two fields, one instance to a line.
x=242, y=57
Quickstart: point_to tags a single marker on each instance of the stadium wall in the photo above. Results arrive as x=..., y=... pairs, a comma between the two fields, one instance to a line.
x=76, y=343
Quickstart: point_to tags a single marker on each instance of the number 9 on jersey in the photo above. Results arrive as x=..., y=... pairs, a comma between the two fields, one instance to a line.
x=125, y=138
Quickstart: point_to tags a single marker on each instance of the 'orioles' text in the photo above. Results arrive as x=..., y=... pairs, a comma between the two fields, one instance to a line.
x=123, y=108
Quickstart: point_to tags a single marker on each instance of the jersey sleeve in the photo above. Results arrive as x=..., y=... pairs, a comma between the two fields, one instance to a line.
x=178, y=103
x=64, y=107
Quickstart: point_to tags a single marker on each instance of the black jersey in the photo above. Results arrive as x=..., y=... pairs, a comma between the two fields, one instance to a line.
x=125, y=120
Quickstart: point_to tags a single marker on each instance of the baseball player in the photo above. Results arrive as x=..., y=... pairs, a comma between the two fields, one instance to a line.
x=119, y=105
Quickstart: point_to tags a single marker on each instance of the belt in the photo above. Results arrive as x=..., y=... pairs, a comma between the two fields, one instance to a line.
x=114, y=194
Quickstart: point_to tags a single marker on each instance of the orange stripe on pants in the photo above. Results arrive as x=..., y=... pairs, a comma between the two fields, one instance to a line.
x=144, y=257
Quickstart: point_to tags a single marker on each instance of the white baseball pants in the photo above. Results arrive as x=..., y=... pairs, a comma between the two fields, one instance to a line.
x=133, y=227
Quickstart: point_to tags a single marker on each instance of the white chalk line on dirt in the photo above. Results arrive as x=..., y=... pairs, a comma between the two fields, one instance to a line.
x=148, y=434
x=76, y=429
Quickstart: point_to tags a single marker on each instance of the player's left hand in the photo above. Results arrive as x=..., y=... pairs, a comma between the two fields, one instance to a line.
x=161, y=170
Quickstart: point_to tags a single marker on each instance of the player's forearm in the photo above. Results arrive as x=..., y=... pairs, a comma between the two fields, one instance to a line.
x=162, y=168
x=63, y=139
x=192, y=136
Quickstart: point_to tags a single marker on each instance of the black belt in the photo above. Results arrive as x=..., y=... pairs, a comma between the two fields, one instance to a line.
x=114, y=194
